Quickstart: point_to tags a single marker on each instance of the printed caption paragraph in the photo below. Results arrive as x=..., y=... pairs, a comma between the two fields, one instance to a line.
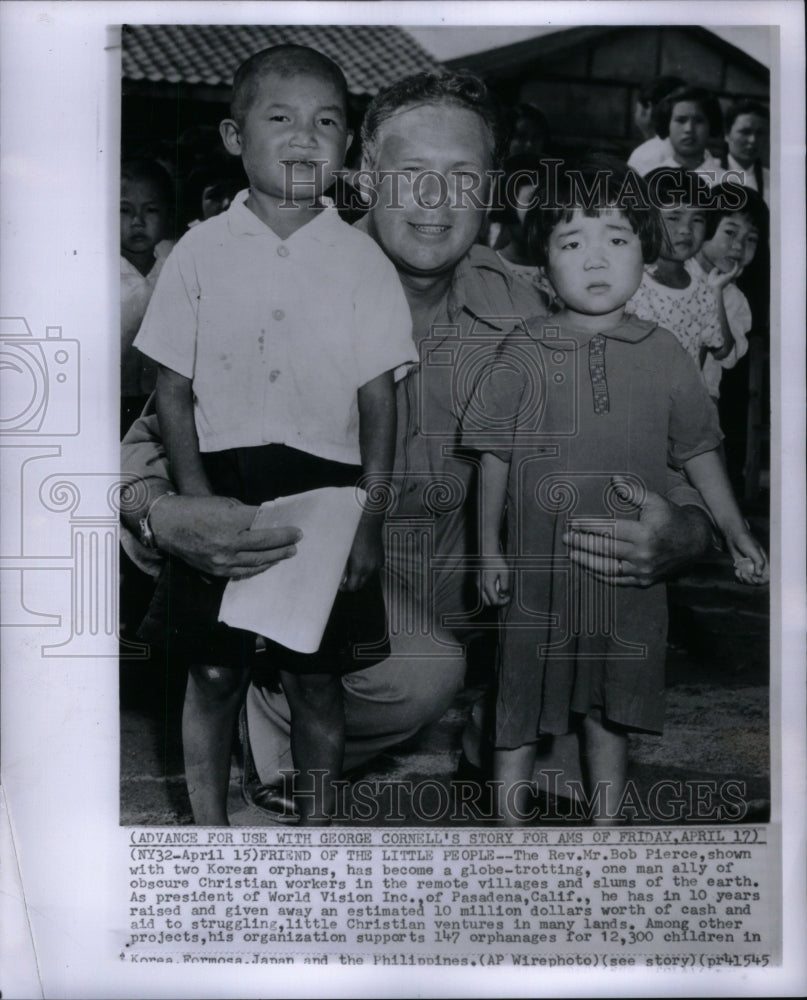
x=612, y=898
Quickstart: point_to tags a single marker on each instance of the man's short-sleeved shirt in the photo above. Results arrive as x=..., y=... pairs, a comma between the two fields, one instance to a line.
x=278, y=334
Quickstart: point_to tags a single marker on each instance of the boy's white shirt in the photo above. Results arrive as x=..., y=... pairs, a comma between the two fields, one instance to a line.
x=278, y=335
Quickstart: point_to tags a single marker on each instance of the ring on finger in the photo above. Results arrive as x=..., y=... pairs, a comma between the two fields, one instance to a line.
x=619, y=567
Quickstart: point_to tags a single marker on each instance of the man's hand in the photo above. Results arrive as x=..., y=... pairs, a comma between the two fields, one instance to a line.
x=212, y=535
x=659, y=545
x=367, y=553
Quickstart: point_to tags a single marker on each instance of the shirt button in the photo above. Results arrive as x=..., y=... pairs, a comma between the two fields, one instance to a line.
x=283, y=251
x=278, y=314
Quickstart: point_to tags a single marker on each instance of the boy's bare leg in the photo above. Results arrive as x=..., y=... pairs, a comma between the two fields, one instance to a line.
x=512, y=770
x=604, y=757
x=317, y=742
x=212, y=699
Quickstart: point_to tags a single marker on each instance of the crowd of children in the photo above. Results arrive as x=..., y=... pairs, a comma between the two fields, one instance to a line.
x=624, y=283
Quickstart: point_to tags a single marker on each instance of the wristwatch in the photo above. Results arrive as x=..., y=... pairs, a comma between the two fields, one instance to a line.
x=146, y=534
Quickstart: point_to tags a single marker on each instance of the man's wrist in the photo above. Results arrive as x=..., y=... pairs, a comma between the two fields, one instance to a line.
x=150, y=531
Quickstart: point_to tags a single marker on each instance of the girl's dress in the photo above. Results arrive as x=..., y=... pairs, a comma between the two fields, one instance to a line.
x=689, y=313
x=569, y=410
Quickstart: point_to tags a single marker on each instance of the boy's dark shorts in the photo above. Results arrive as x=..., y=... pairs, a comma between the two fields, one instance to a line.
x=183, y=613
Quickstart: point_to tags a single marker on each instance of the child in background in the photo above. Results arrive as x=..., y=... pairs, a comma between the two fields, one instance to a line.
x=746, y=134
x=277, y=328
x=515, y=194
x=687, y=117
x=592, y=388
x=734, y=229
x=146, y=203
x=688, y=307
x=653, y=150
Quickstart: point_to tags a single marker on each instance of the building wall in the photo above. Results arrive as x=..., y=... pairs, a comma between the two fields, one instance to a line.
x=588, y=91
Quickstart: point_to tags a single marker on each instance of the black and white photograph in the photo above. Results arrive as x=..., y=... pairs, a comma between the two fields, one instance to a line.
x=685, y=107
x=442, y=491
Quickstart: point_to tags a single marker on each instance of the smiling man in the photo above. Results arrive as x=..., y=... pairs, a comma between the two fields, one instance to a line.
x=429, y=143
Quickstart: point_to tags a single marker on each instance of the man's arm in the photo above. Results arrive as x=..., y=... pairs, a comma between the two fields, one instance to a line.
x=668, y=537
x=209, y=533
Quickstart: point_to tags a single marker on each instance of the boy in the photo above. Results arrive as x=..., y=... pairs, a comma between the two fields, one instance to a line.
x=146, y=200
x=277, y=328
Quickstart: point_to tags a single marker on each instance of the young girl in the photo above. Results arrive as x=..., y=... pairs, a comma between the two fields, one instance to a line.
x=688, y=117
x=589, y=390
x=735, y=228
x=669, y=294
x=507, y=235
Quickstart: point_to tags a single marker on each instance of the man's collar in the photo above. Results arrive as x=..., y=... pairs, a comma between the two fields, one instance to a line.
x=469, y=291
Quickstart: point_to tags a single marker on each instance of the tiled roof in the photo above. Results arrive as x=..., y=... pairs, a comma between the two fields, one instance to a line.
x=371, y=56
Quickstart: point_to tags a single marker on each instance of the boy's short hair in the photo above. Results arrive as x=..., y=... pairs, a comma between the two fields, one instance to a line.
x=675, y=187
x=592, y=185
x=734, y=199
x=461, y=89
x=144, y=169
x=744, y=108
x=285, y=61
x=652, y=91
x=705, y=100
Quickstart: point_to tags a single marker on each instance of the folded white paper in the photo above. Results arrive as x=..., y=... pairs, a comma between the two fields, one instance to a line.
x=292, y=600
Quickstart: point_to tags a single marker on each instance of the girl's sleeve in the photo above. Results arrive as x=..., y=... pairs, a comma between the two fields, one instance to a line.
x=500, y=408
x=738, y=314
x=711, y=333
x=693, y=427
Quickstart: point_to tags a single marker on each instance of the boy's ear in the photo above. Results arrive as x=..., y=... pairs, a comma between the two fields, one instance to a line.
x=231, y=136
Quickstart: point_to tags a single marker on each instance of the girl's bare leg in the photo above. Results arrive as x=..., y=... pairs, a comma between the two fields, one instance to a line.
x=512, y=774
x=604, y=756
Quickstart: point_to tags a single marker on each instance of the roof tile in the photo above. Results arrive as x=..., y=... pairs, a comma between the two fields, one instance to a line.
x=371, y=56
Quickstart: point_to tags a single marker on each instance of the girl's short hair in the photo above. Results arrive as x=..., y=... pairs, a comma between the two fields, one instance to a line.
x=734, y=199
x=592, y=185
x=705, y=100
x=744, y=108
